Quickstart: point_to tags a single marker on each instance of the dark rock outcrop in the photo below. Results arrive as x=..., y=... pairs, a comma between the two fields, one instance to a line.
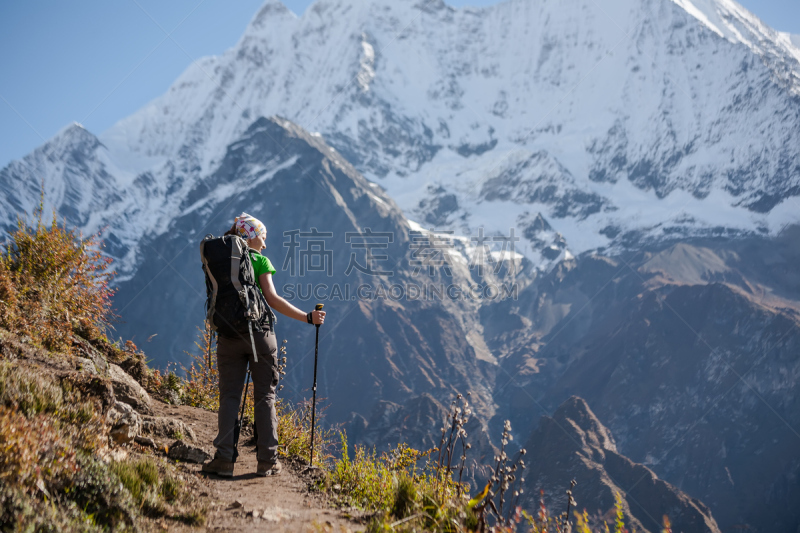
x=574, y=444
x=656, y=343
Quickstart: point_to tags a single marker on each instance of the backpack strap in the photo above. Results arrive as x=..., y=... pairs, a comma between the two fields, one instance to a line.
x=214, y=287
x=236, y=259
x=269, y=316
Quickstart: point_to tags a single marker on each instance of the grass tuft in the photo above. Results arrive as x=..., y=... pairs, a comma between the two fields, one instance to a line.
x=405, y=497
x=170, y=488
x=129, y=477
x=148, y=471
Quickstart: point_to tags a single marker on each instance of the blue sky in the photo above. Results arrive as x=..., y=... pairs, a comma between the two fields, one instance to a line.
x=96, y=61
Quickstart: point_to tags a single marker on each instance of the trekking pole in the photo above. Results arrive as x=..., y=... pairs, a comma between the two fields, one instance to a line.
x=317, y=307
x=210, y=344
x=237, y=426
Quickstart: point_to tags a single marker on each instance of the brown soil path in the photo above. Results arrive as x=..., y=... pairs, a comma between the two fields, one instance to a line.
x=250, y=503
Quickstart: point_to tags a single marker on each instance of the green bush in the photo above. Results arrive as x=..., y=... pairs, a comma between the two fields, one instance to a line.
x=97, y=491
x=365, y=481
x=408, y=496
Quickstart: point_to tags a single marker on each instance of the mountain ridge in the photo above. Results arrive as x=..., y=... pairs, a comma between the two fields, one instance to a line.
x=573, y=443
x=445, y=134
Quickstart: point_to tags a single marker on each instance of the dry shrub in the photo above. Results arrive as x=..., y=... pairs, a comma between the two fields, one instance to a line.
x=32, y=392
x=201, y=386
x=53, y=282
x=294, y=432
x=41, y=463
x=47, y=456
x=54, y=295
x=33, y=452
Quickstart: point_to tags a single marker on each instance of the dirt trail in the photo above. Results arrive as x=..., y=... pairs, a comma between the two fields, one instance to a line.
x=271, y=504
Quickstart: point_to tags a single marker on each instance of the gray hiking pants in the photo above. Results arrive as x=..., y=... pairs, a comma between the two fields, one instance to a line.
x=232, y=358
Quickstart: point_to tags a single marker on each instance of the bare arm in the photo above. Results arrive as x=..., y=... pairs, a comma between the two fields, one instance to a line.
x=279, y=304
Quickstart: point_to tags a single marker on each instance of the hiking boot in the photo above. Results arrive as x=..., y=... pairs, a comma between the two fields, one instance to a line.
x=269, y=468
x=219, y=467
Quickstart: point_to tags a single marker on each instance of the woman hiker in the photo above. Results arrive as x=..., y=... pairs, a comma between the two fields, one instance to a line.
x=233, y=355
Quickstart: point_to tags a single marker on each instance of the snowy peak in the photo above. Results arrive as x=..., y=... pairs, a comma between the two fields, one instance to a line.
x=721, y=16
x=69, y=166
x=732, y=21
x=71, y=143
x=617, y=124
x=74, y=136
x=270, y=12
x=728, y=19
x=270, y=8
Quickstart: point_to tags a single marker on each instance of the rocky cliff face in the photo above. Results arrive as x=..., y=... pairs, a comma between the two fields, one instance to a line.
x=380, y=359
x=684, y=352
x=573, y=444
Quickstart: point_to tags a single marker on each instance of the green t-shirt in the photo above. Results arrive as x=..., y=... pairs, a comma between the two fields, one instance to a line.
x=261, y=265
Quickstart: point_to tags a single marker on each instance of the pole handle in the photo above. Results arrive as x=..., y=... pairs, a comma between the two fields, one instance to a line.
x=318, y=307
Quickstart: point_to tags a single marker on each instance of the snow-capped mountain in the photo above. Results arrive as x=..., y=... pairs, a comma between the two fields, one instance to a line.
x=614, y=121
